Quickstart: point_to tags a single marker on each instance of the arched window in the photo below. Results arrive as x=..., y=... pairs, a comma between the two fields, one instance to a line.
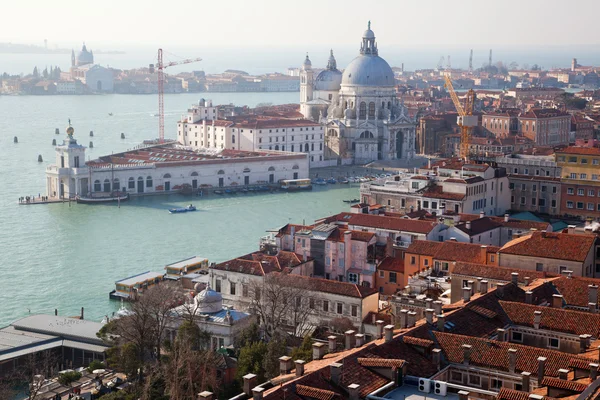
x=371, y=110
x=345, y=105
x=295, y=166
x=167, y=176
x=332, y=133
x=276, y=147
x=246, y=170
x=194, y=173
x=232, y=138
x=366, y=135
x=306, y=147
x=97, y=186
x=221, y=172
x=131, y=183
x=106, y=185
x=389, y=105
x=116, y=184
x=148, y=181
x=362, y=111
x=271, y=168
x=383, y=104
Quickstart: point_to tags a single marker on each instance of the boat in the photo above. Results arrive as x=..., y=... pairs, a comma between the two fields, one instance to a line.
x=182, y=210
x=353, y=201
x=218, y=192
x=343, y=181
x=97, y=199
x=331, y=181
x=319, y=181
x=296, y=184
x=110, y=114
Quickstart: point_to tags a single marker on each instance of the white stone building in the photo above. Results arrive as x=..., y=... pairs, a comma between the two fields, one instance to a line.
x=94, y=76
x=201, y=129
x=165, y=169
x=363, y=118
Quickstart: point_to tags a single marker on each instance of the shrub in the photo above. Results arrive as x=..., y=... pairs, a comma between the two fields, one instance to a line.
x=69, y=377
x=96, y=364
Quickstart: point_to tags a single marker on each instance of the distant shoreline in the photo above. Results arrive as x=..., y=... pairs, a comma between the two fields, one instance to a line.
x=15, y=48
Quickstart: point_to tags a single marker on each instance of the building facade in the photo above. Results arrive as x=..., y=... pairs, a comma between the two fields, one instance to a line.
x=580, y=179
x=546, y=127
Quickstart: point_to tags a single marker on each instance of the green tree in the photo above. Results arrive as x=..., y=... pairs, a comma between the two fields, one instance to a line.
x=275, y=349
x=45, y=73
x=36, y=74
x=249, y=335
x=94, y=365
x=67, y=378
x=251, y=361
x=189, y=333
x=304, y=351
x=124, y=358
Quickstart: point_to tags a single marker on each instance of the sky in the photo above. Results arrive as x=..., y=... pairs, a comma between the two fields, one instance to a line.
x=258, y=23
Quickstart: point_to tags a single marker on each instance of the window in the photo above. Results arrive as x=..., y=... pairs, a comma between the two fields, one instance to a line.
x=425, y=204
x=311, y=303
x=553, y=343
x=413, y=260
x=325, y=306
x=553, y=204
x=149, y=182
x=584, y=161
x=381, y=274
x=573, y=175
x=580, y=205
x=218, y=285
x=590, y=206
x=595, y=161
x=534, y=189
x=572, y=159
x=543, y=188
x=591, y=192
x=426, y=261
x=339, y=308
x=539, y=266
x=232, y=288
x=533, y=201
x=570, y=191
x=554, y=189
x=582, y=176
x=522, y=200
x=244, y=290
x=542, y=202
x=474, y=380
x=393, y=277
x=354, y=311
x=517, y=337
x=496, y=384
x=131, y=183
x=569, y=204
x=456, y=376
x=353, y=278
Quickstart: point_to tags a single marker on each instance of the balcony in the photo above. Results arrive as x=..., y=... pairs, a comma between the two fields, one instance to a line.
x=403, y=244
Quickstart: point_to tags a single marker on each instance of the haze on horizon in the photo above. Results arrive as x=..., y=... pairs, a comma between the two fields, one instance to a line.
x=240, y=23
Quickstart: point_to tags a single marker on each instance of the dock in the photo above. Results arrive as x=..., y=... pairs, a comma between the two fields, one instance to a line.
x=30, y=201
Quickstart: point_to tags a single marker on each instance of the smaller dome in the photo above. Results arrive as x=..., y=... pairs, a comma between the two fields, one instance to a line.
x=209, y=301
x=198, y=287
x=307, y=64
x=328, y=80
x=369, y=34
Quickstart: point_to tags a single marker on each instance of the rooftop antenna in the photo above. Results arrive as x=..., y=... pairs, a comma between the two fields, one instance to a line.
x=448, y=64
x=490, y=62
x=471, y=61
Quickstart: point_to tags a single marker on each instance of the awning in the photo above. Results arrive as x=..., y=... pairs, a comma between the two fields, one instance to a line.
x=84, y=346
x=30, y=350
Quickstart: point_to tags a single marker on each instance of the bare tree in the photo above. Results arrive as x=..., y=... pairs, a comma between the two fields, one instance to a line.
x=34, y=371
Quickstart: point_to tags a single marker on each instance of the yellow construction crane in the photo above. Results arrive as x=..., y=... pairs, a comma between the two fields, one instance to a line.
x=466, y=120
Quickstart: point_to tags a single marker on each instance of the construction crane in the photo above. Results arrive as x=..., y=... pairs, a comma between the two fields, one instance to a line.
x=448, y=63
x=465, y=120
x=440, y=64
x=471, y=61
x=160, y=66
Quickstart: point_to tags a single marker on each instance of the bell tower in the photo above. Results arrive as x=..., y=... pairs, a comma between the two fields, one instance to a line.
x=306, y=86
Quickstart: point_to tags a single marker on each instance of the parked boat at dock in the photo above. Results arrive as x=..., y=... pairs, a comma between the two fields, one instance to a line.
x=100, y=198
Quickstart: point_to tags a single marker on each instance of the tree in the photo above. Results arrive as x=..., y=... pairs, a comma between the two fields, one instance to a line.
x=35, y=369
x=249, y=335
x=124, y=358
x=66, y=378
x=513, y=65
x=36, y=74
x=304, y=351
x=251, y=361
x=45, y=73
x=94, y=365
x=341, y=324
x=275, y=349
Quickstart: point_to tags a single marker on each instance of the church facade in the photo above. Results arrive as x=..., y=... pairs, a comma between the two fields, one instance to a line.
x=362, y=117
x=96, y=77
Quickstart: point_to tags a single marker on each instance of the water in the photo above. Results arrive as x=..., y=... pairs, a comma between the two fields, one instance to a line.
x=56, y=256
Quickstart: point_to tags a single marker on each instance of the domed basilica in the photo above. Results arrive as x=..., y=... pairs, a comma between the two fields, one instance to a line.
x=364, y=119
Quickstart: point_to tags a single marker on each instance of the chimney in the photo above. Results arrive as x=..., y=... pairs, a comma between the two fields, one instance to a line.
x=501, y=334
x=379, y=328
x=463, y=395
x=592, y=307
x=557, y=301
x=514, y=278
x=428, y=303
x=477, y=287
x=506, y=217
x=563, y=373
x=299, y=367
x=353, y=391
x=484, y=287
x=512, y=360
x=436, y=357
x=360, y=339
x=466, y=294
x=541, y=369
x=332, y=340
x=412, y=318
x=257, y=393
x=593, y=294
x=249, y=384
x=205, y=395
x=318, y=350
x=481, y=214
x=437, y=306
x=593, y=371
x=285, y=365
x=500, y=290
x=537, y=318
x=529, y=297
x=525, y=380
x=389, y=333
x=466, y=353
x=571, y=229
x=429, y=315
x=441, y=320
x=349, y=335
x=526, y=280
x=468, y=225
x=403, y=318
x=335, y=370
x=582, y=343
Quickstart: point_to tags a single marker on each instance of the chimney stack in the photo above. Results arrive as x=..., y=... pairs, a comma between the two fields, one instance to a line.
x=593, y=371
x=403, y=318
x=468, y=225
x=429, y=315
x=441, y=320
x=593, y=294
x=389, y=333
x=525, y=381
x=257, y=393
x=557, y=301
x=249, y=384
x=541, y=369
x=379, y=328
x=332, y=341
x=500, y=290
x=437, y=307
x=514, y=278
x=506, y=217
x=466, y=294
x=285, y=365
x=484, y=287
x=349, y=335
x=501, y=334
x=318, y=350
x=529, y=297
x=205, y=395
x=483, y=254
x=335, y=370
x=582, y=343
x=428, y=303
x=592, y=307
x=412, y=318
x=526, y=280
x=359, y=339
x=512, y=360
x=463, y=395
x=563, y=373
x=299, y=367
x=537, y=318
x=466, y=353
x=353, y=391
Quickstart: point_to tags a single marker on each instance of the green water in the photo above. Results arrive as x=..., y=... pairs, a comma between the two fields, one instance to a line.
x=68, y=257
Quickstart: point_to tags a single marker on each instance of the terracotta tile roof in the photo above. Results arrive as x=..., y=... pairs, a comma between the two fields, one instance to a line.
x=381, y=362
x=362, y=236
x=493, y=354
x=437, y=192
x=582, y=364
x=372, y=316
x=314, y=393
x=382, y=222
x=330, y=286
x=416, y=341
x=575, y=290
x=479, y=226
x=287, y=229
x=544, y=113
x=522, y=224
x=560, y=246
x=496, y=273
x=564, y=384
x=511, y=394
x=484, y=312
x=394, y=264
x=424, y=247
x=580, y=150
x=259, y=263
x=554, y=319
x=451, y=251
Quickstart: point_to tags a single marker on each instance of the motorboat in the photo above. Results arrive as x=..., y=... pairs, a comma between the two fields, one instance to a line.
x=182, y=210
x=100, y=198
x=319, y=181
x=218, y=192
x=331, y=181
x=343, y=181
x=110, y=114
x=353, y=201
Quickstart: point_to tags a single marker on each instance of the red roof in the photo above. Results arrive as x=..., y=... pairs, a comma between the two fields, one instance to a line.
x=452, y=251
x=259, y=263
x=330, y=286
x=394, y=264
x=495, y=273
x=511, y=394
x=560, y=246
x=382, y=222
x=575, y=290
x=584, y=151
x=564, y=384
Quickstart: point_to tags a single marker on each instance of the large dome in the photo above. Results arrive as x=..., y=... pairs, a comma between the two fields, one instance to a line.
x=209, y=301
x=84, y=57
x=368, y=70
x=328, y=80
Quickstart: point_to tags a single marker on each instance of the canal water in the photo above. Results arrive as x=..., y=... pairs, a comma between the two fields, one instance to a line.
x=68, y=256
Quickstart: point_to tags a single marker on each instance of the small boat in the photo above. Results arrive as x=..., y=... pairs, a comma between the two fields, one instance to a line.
x=353, y=201
x=110, y=198
x=182, y=210
x=244, y=190
x=218, y=192
x=319, y=181
x=331, y=181
x=110, y=114
x=343, y=181
x=229, y=191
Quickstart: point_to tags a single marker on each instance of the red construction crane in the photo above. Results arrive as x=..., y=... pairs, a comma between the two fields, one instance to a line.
x=161, y=89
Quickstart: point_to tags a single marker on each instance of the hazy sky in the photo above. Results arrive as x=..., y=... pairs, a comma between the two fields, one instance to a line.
x=235, y=23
